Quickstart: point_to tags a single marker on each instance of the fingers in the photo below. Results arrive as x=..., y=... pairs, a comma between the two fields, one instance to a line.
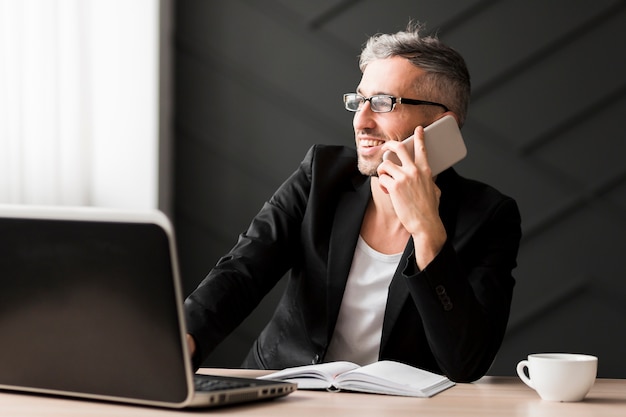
x=400, y=153
x=420, y=155
x=191, y=344
x=410, y=152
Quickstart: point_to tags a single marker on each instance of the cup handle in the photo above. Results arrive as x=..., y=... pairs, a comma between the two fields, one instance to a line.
x=520, y=372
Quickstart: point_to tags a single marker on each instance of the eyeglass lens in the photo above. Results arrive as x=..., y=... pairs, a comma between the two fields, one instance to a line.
x=379, y=103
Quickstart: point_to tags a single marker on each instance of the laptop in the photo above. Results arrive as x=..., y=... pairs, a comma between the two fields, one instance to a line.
x=91, y=306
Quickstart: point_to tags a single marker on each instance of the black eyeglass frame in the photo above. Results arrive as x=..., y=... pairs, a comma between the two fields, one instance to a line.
x=394, y=100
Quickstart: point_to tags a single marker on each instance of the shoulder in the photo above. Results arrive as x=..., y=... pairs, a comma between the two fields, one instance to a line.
x=325, y=170
x=342, y=156
x=464, y=187
x=329, y=163
x=474, y=196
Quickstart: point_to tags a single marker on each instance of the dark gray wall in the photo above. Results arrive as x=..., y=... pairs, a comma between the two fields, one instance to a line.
x=257, y=82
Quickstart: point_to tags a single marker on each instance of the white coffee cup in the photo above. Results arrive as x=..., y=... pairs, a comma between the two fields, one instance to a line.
x=559, y=376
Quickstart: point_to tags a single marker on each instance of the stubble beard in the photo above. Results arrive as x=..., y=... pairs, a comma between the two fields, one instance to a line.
x=368, y=167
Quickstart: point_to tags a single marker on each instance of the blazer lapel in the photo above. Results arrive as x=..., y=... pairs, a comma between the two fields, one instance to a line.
x=398, y=291
x=343, y=239
x=398, y=294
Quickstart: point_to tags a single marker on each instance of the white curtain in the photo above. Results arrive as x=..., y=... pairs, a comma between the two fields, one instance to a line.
x=79, y=102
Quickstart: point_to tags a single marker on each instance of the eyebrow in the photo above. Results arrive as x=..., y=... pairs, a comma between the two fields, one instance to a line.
x=379, y=93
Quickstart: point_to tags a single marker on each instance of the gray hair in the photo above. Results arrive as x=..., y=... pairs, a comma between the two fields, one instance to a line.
x=447, y=79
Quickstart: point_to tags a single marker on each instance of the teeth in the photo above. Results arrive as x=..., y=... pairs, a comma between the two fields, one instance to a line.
x=370, y=142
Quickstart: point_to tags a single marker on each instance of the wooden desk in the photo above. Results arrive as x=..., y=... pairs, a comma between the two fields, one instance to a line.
x=490, y=396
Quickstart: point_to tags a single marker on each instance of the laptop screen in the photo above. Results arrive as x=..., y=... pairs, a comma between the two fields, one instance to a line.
x=90, y=307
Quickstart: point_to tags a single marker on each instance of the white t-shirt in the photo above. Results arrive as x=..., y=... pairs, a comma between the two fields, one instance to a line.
x=359, y=326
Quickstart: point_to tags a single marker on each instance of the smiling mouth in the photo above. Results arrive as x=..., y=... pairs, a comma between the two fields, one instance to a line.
x=369, y=143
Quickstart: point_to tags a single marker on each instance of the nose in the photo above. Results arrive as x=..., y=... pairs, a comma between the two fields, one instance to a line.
x=364, y=118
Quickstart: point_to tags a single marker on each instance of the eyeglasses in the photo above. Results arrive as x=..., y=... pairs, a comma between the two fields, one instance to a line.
x=382, y=103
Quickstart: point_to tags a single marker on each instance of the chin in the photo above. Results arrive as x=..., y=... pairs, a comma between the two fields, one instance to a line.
x=368, y=168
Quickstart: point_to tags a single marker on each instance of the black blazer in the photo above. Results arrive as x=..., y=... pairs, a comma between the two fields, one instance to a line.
x=449, y=318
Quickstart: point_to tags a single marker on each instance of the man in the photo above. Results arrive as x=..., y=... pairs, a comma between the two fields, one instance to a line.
x=385, y=262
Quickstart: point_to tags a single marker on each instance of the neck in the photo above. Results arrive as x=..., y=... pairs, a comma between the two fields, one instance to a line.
x=382, y=203
x=381, y=228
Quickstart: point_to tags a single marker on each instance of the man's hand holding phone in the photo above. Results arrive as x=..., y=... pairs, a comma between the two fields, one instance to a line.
x=409, y=182
x=444, y=145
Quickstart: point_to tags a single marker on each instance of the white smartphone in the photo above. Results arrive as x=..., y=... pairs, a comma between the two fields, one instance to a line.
x=444, y=145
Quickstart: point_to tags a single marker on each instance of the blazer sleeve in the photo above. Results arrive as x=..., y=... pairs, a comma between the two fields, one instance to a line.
x=464, y=294
x=259, y=259
x=289, y=233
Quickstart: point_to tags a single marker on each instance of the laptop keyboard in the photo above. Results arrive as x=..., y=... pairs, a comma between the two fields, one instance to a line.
x=207, y=383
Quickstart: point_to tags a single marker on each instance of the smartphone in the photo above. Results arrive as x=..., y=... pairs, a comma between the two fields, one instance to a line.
x=444, y=145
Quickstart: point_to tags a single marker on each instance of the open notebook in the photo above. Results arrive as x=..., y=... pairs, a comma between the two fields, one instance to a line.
x=91, y=307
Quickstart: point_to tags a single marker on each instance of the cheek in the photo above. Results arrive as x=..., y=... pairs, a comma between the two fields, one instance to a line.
x=400, y=126
x=400, y=134
x=406, y=127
